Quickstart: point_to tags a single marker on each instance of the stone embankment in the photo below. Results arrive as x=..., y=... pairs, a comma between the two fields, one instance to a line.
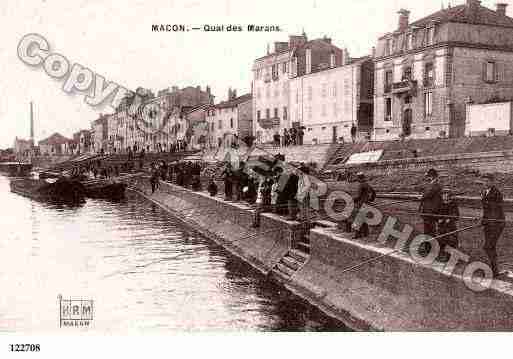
x=392, y=293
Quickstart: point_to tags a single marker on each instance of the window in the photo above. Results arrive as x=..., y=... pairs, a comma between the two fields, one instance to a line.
x=309, y=93
x=267, y=113
x=409, y=41
x=285, y=89
x=428, y=104
x=332, y=60
x=323, y=90
x=275, y=72
x=388, y=80
x=268, y=91
x=285, y=67
x=388, y=109
x=335, y=109
x=309, y=111
x=407, y=73
x=258, y=115
x=276, y=112
x=490, y=71
x=407, y=100
x=323, y=110
x=334, y=89
x=258, y=92
x=231, y=122
x=430, y=35
x=297, y=96
x=429, y=75
x=285, y=113
x=220, y=125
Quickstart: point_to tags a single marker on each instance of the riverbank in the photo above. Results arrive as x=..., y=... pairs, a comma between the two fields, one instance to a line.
x=394, y=293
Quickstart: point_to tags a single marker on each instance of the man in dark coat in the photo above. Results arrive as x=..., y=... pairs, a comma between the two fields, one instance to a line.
x=447, y=223
x=430, y=203
x=493, y=220
x=364, y=194
x=289, y=192
x=228, y=181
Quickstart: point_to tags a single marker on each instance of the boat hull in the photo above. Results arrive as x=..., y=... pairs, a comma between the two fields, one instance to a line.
x=106, y=190
x=63, y=191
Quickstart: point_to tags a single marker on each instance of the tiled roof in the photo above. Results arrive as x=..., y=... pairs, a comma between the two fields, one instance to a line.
x=235, y=101
x=482, y=16
x=55, y=139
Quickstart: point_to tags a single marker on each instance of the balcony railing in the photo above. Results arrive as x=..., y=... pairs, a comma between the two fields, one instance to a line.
x=405, y=85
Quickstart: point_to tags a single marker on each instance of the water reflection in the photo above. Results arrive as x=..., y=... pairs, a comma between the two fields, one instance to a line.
x=145, y=271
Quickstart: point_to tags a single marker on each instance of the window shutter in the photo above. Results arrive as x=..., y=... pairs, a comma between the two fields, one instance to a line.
x=496, y=70
x=484, y=71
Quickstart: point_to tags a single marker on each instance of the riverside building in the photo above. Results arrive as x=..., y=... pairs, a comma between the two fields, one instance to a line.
x=426, y=72
x=272, y=75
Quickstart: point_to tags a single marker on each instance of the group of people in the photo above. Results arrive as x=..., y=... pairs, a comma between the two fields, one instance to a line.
x=137, y=151
x=101, y=169
x=440, y=214
x=274, y=189
x=290, y=137
x=182, y=173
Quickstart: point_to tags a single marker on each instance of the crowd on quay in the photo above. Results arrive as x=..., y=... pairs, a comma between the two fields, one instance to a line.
x=136, y=151
x=282, y=189
x=290, y=137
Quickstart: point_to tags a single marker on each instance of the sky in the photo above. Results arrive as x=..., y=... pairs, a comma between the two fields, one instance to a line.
x=114, y=39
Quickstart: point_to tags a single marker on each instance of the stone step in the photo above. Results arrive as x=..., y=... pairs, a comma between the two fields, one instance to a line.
x=291, y=263
x=284, y=270
x=298, y=255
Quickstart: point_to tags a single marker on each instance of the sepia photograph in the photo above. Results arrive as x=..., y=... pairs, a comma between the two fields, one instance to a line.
x=338, y=171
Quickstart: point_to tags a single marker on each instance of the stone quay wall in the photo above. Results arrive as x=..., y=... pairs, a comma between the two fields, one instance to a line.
x=393, y=293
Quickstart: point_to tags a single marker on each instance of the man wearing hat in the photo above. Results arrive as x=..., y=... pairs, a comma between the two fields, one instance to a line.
x=364, y=194
x=493, y=219
x=431, y=202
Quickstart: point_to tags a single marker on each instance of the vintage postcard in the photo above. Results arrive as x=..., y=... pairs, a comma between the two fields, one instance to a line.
x=181, y=166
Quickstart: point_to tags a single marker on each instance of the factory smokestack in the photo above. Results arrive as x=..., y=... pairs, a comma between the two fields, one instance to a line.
x=32, y=123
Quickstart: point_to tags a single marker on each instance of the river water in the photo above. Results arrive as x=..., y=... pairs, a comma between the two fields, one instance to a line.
x=144, y=271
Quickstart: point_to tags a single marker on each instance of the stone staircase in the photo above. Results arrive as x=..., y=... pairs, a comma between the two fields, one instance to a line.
x=293, y=260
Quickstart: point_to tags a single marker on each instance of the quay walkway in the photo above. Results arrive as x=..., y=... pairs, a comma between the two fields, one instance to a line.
x=393, y=293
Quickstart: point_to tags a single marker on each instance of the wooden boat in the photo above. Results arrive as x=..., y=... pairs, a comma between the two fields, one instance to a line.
x=101, y=188
x=62, y=190
x=17, y=169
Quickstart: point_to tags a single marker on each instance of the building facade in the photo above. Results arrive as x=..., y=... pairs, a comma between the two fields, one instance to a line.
x=427, y=72
x=271, y=80
x=54, y=145
x=233, y=119
x=151, y=122
x=328, y=102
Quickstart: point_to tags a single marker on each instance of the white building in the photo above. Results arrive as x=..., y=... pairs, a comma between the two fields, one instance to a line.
x=329, y=101
x=271, y=80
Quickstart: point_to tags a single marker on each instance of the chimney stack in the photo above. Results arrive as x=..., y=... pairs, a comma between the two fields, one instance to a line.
x=404, y=19
x=31, y=122
x=501, y=9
